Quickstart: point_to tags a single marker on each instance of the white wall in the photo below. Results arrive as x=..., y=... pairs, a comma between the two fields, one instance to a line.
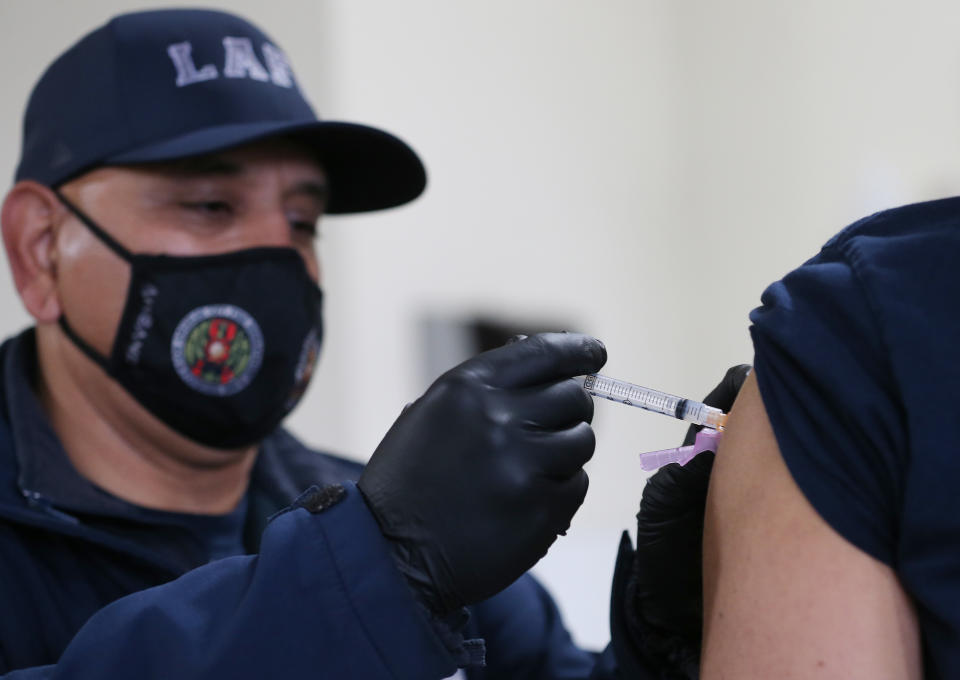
x=642, y=168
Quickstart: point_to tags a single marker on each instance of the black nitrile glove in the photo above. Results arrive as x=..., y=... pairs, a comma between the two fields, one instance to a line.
x=722, y=396
x=664, y=592
x=476, y=479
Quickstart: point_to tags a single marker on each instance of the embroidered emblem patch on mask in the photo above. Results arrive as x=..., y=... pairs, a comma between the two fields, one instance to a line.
x=217, y=349
x=304, y=370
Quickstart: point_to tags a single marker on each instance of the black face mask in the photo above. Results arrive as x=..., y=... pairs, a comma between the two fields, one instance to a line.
x=218, y=347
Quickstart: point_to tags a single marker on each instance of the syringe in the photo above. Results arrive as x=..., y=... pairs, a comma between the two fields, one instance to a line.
x=652, y=400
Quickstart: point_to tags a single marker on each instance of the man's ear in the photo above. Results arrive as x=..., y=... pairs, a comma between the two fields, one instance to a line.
x=29, y=219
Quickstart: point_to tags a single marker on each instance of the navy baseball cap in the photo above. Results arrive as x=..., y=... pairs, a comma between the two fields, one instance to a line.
x=169, y=84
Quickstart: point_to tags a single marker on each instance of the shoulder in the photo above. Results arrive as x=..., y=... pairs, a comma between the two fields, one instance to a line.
x=824, y=371
x=855, y=362
x=784, y=593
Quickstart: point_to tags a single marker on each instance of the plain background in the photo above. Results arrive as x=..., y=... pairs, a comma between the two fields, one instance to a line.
x=637, y=169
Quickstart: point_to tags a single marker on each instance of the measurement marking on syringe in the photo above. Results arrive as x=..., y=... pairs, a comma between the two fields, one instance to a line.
x=652, y=400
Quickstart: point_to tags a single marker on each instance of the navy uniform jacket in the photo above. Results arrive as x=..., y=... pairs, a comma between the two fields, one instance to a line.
x=93, y=587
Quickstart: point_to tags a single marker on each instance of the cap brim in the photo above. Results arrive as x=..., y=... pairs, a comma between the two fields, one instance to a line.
x=368, y=169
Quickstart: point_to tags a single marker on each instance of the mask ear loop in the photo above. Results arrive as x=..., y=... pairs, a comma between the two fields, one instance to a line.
x=82, y=345
x=113, y=245
x=106, y=238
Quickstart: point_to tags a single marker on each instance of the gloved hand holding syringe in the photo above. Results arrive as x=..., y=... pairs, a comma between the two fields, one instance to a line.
x=695, y=412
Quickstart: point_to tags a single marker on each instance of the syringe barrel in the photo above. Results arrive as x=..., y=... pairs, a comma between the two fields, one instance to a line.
x=631, y=395
x=653, y=400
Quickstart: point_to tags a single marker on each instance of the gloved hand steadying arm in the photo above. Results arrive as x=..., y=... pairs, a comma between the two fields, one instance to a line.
x=476, y=479
x=663, y=596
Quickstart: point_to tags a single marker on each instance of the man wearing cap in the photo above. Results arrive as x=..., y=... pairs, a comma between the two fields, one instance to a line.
x=155, y=518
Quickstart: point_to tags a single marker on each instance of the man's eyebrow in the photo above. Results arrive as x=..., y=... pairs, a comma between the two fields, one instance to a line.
x=204, y=166
x=217, y=166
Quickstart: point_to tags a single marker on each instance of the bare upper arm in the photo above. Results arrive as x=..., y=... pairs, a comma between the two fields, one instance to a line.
x=785, y=596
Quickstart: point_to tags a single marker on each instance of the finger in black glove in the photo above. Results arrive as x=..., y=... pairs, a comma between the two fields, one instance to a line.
x=666, y=585
x=664, y=593
x=722, y=396
x=476, y=479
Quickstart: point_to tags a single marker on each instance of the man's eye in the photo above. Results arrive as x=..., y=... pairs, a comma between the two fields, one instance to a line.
x=209, y=207
x=305, y=226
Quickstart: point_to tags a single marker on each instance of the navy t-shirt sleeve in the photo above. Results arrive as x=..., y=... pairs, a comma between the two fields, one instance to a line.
x=827, y=387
